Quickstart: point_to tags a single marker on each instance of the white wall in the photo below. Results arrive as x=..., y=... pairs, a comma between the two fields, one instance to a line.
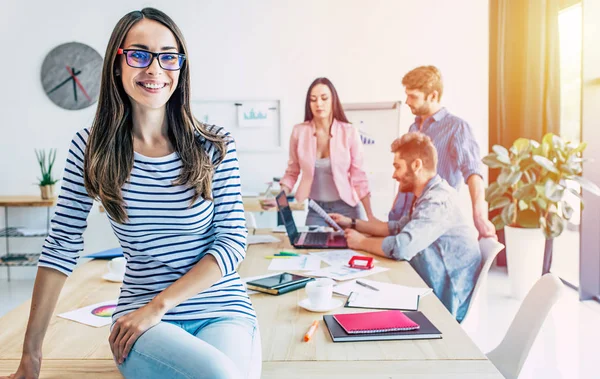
x=249, y=49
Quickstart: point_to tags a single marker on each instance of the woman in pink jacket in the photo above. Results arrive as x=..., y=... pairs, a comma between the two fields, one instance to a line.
x=327, y=149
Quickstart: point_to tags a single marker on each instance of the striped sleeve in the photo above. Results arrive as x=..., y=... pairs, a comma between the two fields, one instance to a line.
x=229, y=223
x=63, y=245
x=466, y=151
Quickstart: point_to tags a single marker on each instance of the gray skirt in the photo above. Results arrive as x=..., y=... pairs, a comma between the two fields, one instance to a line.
x=338, y=206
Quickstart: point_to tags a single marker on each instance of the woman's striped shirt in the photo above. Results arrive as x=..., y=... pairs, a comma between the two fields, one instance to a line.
x=164, y=236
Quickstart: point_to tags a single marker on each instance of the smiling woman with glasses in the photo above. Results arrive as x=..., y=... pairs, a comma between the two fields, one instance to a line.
x=171, y=188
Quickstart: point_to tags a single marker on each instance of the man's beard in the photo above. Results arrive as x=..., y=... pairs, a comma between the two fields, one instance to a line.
x=407, y=183
x=421, y=111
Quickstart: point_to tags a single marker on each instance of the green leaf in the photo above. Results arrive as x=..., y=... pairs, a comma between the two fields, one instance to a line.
x=545, y=163
x=562, y=156
x=546, y=144
x=555, y=226
x=499, y=202
x=514, y=178
x=580, y=148
x=492, y=192
x=502, y=179
x=566, y=168
x=501, y=151
x=553, y=192
x=567, y=210
x=558, y=143
x=508, y=214
x=521, y=146
x=543, y=204
x=493, y=161
x=587, y=185
x=46, y=163
x=526, y=193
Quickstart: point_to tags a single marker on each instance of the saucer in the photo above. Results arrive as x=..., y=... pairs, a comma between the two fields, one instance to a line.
x=112, y=277
x=334, y=303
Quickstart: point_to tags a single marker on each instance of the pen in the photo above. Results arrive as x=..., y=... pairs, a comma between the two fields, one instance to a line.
x=277, y=256
x=287, y=253
x=366, y=285
x=311, y=331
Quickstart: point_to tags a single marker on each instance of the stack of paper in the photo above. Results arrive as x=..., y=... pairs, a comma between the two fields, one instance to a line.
x=315, y=207
x=301, y=263
x=351, y=286
x=365, y=293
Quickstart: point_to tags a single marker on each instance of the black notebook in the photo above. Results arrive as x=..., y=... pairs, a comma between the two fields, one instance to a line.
x=426, y=331
x=279, y=284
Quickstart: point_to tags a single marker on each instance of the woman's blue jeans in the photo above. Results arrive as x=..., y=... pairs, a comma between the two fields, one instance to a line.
x=216, y=348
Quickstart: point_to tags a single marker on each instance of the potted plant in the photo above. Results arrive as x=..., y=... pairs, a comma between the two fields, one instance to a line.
x=530, y=192
x=47, y=181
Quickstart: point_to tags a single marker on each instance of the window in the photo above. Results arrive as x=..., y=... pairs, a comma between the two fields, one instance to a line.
x=566, y=252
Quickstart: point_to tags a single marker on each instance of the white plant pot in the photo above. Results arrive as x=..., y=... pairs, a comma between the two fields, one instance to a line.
x=524, y=258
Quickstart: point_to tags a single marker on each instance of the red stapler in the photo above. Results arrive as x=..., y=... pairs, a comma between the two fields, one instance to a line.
x=358, y=261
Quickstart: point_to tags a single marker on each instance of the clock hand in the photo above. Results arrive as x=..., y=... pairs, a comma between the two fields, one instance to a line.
x=75, y=72
x=78, y=82
x=75, y=90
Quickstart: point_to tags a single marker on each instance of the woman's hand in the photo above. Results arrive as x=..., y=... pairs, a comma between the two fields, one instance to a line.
x=343, y=221
x=130, y=327
x=285, y=189
x=267, y=204
x=29, y=368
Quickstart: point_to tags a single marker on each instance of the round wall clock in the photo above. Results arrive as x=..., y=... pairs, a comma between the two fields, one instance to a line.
x=71, y=75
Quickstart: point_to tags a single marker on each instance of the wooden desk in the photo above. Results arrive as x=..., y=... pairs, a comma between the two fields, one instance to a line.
x=72, y=350
x=252, y=204
x=25, y=201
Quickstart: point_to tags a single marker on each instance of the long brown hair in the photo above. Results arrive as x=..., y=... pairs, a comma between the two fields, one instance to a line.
x=109, y=153
x=336, y=105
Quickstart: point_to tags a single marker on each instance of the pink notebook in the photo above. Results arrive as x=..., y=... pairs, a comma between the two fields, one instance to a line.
x=375, y=322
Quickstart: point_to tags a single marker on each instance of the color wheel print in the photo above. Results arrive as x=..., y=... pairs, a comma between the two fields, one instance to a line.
x=104, y=310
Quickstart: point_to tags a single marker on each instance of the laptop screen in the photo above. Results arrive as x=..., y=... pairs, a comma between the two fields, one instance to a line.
x=286, y=216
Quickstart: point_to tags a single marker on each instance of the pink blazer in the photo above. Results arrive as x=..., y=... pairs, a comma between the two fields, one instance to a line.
x=346, y=153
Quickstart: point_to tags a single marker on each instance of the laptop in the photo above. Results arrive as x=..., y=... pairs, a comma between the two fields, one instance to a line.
x=307, y=240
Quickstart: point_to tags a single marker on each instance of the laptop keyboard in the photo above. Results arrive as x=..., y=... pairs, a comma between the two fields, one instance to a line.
x=316, y=239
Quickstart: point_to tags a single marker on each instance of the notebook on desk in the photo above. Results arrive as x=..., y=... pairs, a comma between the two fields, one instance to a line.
x=426, y=331
x=375, y=322
x=279, y=284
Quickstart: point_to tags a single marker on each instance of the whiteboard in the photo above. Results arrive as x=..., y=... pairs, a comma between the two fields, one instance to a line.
x=378, y=125
x=255, y=124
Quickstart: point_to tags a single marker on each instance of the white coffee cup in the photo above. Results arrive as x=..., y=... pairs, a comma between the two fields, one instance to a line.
x=116, y=267
x=319, y=292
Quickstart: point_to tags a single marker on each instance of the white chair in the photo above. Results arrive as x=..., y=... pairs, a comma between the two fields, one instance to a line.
x=250, y=220
x=489, y=247
x=511, y=353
